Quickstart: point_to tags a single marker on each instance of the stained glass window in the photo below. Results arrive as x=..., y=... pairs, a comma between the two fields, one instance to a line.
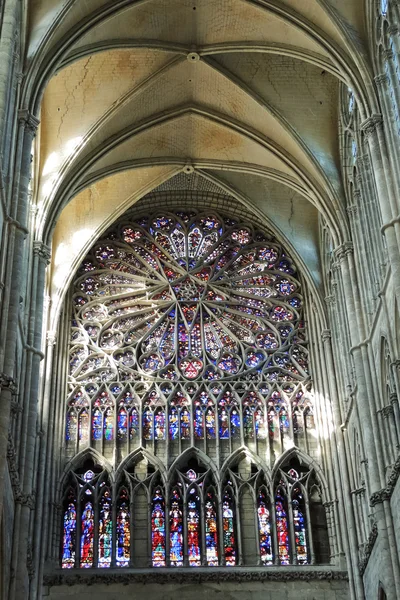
x=69, y=532
x=87, y=535
x=193, y=526
x=187, y=330
x=228, y=528
x=158, y=530
x=282, y=526
x=264, y=528
x=211, y=531
x=176, y=530
x=299, y=522
x=105, y=530
x=123, y=530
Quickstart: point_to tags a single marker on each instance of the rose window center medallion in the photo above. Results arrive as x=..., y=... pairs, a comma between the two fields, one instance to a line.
x=187, y=295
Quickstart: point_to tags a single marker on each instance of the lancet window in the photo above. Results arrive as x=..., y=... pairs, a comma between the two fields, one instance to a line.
x=195, y=520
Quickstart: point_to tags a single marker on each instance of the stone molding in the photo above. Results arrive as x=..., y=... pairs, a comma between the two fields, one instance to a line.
x=8, y=383
x=343, y=251
x=370, y=125
x=19, y=496
x=173, y=576
x=368, y=548
x=42, y=251
x=29, y=120
x=386, y=493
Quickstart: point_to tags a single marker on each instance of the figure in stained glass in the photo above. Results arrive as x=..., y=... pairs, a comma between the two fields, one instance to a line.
x=105, y=530
x=264, y=529
x=69, y=533
x=123, y=530
x=176, y=530
x=87, y=535
x=299, y=523
x=228, y=529
x=158, y=530
x=282, y=527
x=193, y=527
x=211, y=532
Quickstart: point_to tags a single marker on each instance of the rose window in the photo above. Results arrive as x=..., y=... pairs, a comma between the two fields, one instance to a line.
x=186, y=295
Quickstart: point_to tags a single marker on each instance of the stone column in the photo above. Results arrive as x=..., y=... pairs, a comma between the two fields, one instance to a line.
x=341, y=462
x=9, y=26
x=373, y=131
x=15, y=251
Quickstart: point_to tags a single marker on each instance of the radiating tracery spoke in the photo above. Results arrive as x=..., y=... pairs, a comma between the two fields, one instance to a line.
x=186, y=295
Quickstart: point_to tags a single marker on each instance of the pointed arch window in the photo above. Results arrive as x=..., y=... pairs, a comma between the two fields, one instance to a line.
x=158, y=529
x=264, y=528
x=228, y=527
x=194, y=528
x=282, y=526
x=105, y=529
x=69, y=531
x=176, y=529
x=123, y=529
x=211, y=526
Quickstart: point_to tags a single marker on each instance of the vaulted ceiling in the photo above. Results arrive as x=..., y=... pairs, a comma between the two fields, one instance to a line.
x=245, y=92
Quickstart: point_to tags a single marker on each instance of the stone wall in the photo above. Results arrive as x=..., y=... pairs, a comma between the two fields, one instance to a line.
x=293, y=590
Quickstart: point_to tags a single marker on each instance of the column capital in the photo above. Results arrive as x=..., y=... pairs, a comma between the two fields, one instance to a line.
x=42, y=251
x=371, y=125
x=30, y=122
x=330, y=300
x=342, y=251
x=326, y=334
x=352, y=209
x=8, y=383
x=381, y=79
x=51, y=338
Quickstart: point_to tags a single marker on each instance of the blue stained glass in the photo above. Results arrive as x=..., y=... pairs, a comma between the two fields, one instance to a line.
x=69, y=534
x=158, y=530
x=122, y=424
x=299, y=527
x=72, y=426
x=147, y=423
x=133, y=424
x=248, y=422
x=264, y=528
x=235, y=422
x=210, y=423
x=159, y=424
x=198, y=423
x=173, y=423
x=176, y=530
x=108, y=425
x=185, y=424
x=223, y=423
x=123, y=530
x=97, y=424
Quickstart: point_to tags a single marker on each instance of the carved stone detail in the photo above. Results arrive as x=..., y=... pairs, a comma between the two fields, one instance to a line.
x=19, y=496
x=30, y=121
x=343, y=251
x=368, y=548
x=386, y=493
x=42, y=251
x=63, y=578
x=8, y=383
x=370, y=125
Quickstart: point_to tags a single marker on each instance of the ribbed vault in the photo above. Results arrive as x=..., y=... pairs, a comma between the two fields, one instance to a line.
x=245, y=92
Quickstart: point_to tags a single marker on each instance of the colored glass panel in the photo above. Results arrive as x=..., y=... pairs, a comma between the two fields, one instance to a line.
x=198, y=423
x=69, y=534
x=210, y=423
x=173, y=423
x=299, y=523
x=83, y=426
x=109, y=425
x=105, y=530
x=193, y=528
x=176, y=530
x=97, y=419
x=133, y=424
x=87, y=535
x=264, y=529
x=228, y=530
x=185, y=424
x=282, y=527
x=159, y=424
x=147, y=423
x=122, y=424
x=123, y=530
x=211, y=533
x=235, y=422
x=72, y=426
x=158, y=530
